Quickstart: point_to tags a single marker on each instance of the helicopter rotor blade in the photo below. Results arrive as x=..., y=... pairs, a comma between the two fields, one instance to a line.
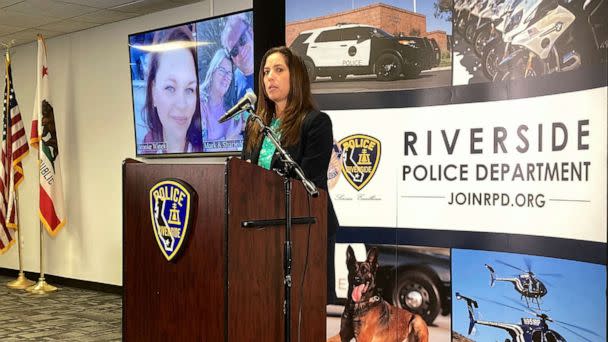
x=522, y=307
x=556, y=275
x=572, y=331
x=505, y=305
x=578, y=327
x=509, y=265
x=528, y=263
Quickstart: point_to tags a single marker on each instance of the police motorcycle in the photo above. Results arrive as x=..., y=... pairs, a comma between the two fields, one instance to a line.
x=512, y=62
x=463, y=11
x=494, y=49
x=489, y=18
x=474, y=19
x=547, y=42
x=586, y=42
x=459, y=5
x=596, y=12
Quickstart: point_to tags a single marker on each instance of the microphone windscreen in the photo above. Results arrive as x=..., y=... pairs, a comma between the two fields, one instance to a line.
x=251, y=97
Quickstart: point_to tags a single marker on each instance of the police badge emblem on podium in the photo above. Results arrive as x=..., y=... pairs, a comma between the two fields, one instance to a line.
x=172, y=202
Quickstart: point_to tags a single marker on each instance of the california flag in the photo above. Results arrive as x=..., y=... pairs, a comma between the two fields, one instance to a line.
x=44, y=138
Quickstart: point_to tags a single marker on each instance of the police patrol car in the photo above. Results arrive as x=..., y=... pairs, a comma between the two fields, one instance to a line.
x=353, y=49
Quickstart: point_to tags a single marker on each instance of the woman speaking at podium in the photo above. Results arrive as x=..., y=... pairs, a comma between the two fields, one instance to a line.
x=285, y=104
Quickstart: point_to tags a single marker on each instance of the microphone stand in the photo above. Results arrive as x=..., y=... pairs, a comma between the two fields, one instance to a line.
x=290, y=167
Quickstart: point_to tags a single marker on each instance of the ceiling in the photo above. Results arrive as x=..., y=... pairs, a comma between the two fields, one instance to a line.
x=22, y=20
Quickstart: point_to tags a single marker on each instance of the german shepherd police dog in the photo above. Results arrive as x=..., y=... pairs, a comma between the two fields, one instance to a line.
x=367, y=317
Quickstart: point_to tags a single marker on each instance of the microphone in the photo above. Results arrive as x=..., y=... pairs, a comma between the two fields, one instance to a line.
x=244, y=103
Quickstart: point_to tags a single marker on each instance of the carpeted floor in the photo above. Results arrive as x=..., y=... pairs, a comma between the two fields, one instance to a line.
x=69, y=314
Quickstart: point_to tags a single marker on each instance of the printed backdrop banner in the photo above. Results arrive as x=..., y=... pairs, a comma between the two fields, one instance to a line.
x=470, y=154
x=527, y=166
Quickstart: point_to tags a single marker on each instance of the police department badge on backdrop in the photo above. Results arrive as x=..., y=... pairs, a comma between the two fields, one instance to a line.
x=171, y=207
x=360, y=158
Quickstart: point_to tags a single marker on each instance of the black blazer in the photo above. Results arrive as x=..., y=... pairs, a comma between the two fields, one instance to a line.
x=312, y=153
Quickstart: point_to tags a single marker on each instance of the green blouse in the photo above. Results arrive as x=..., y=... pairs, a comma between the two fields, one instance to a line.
x=268, y=148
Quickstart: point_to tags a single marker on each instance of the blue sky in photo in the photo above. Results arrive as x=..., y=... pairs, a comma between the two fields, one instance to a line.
x=299, y=9
x=577, y=297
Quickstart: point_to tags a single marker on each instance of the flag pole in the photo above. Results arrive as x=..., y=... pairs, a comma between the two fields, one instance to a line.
x=41, y=287
x=21, y=282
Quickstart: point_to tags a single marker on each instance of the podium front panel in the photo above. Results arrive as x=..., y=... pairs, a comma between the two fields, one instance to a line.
x=182, y=299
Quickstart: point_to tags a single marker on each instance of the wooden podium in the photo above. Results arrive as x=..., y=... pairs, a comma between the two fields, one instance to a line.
x=227, y=282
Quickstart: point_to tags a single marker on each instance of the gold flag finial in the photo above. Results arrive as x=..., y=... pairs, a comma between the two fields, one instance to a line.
x=8, y=46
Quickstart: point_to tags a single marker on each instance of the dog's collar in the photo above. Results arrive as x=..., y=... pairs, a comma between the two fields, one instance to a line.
x=372, y=300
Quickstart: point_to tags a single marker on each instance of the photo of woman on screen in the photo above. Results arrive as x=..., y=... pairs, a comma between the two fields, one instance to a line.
x=217, y=95
x=171, y=110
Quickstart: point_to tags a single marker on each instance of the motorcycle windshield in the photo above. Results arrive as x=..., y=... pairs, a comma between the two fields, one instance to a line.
x=515, y=3
x=516, y=12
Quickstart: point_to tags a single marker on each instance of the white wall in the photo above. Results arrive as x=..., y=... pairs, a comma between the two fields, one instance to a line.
x=91, y=94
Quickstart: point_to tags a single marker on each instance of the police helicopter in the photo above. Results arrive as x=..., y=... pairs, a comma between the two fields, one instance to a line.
x=531, y=329
x=527, y=283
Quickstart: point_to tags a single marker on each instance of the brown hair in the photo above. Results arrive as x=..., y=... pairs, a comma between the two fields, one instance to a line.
x=194, y=134
x=299, y=101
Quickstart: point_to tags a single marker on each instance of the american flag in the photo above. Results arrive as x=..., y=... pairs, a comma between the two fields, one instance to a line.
x=14, y=149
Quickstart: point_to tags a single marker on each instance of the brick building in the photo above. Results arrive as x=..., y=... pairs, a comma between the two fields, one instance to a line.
x=391, y=19
x=440, y=37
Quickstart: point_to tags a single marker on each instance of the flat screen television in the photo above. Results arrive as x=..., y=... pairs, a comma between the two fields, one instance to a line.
x=183, y=78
